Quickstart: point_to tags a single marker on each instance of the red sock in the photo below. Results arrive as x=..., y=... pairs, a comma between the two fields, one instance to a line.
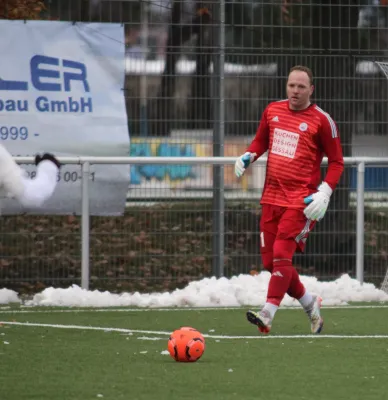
x=283, y=271
x=296, y=289
x=279, y=282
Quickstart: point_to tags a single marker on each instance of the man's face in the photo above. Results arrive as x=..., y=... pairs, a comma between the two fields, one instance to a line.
x=299, y=90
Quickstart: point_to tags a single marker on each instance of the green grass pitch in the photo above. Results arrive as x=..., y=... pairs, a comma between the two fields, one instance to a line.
x=73, y=354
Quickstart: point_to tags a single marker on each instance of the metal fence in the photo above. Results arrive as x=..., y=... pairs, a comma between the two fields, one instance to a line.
x=198, y=76
x=166, y=240
x=188, y=61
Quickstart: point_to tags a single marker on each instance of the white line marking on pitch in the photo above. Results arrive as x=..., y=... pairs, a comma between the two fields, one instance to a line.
x=182, y=309
x=123, y=330
x=88, y=328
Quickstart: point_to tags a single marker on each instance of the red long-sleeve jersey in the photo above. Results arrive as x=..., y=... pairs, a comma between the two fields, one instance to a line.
x=296, y=142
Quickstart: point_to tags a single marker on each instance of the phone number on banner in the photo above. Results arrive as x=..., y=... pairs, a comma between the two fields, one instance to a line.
x=14, y=133
x=68, y=176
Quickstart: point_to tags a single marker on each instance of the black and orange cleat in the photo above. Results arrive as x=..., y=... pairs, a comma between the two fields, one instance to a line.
x=261, y=319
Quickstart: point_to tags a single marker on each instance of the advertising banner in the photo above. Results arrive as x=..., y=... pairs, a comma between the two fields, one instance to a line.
x=61, y=91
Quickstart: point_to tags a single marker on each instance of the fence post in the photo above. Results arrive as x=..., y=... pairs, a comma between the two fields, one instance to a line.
x=218, y=140
x=360, y=222
x=85, y=223
x=143, y=77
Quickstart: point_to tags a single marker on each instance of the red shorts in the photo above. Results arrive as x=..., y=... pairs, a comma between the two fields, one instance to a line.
x=281, y=223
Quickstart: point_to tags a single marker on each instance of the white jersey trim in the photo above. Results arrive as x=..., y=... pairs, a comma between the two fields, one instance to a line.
x=334, y=132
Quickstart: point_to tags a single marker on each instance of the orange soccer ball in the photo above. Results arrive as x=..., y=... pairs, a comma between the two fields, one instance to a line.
x=186, y=344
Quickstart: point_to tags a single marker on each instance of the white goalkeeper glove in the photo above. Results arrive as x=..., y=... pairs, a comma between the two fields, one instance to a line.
x=318, y=202
x=242, y=163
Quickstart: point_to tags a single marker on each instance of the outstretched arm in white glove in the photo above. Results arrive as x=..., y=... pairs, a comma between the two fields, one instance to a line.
x=318, y=202
x=41, y=188
x=28, y=192
x=242, y=163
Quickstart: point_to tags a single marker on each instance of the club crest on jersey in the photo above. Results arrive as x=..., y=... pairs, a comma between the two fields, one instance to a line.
x=303, y=126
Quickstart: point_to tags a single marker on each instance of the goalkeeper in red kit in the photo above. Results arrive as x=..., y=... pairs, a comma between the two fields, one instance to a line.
x=297, y=134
